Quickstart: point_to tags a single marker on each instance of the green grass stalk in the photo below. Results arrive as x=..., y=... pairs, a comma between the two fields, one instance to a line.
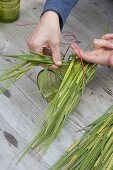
x=94, y=151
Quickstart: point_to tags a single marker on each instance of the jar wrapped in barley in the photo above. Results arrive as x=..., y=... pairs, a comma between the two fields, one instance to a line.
x=9, y=10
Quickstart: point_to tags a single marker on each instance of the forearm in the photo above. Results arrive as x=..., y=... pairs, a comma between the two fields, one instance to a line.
x=61, y=7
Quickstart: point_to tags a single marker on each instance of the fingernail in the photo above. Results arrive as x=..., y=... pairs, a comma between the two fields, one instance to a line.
x=72, y=46
x=59, y=63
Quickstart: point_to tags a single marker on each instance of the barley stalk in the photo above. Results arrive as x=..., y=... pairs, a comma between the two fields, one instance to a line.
x=94, y=150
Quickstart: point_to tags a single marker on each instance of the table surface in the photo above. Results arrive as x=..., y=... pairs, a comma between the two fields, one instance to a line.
x=22, y=106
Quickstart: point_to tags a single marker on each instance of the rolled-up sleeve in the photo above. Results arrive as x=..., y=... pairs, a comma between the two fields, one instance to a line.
x=61, y=7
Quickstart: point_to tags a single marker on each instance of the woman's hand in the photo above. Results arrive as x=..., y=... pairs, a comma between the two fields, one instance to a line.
x=46, y=37
x=103, y=51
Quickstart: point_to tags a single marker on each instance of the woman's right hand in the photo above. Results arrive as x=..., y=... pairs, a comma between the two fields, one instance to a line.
x=46, y=37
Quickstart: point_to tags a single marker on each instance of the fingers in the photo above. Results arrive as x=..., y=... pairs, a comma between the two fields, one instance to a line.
x=85, y=55
x=53, y=51
x=107, y=36
x=101, y=43
x=90, y=56
x=34, y=46
x=56, y=56
x=78, y=51
x=101, y=54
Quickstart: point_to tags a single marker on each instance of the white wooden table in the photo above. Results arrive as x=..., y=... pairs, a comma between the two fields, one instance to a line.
x=22, y=106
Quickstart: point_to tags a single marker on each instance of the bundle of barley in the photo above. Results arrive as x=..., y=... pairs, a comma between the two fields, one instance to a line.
x=61, y=105
x=94, y=151
x=62, y=100
x=28, y=62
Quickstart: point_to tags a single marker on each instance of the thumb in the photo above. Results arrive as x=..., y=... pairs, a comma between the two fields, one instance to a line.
x=56, y=56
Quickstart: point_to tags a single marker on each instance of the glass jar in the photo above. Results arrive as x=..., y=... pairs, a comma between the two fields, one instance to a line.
x=9, y=10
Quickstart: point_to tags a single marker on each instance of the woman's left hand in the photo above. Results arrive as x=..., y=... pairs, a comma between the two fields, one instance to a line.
x=103, y=51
